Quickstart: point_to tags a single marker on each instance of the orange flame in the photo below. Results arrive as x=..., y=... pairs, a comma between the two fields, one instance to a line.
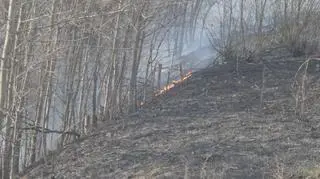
x=173, y=84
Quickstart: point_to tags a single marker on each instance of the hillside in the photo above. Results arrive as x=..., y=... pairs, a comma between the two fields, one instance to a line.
x=210, y=126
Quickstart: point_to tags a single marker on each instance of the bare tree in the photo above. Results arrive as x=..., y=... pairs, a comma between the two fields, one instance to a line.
x=57, y=65
x=5, y=89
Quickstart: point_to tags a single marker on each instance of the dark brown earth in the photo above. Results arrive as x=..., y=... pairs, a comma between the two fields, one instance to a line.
x=211, y=126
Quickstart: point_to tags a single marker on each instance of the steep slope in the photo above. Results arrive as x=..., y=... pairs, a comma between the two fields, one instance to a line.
x=211, y=126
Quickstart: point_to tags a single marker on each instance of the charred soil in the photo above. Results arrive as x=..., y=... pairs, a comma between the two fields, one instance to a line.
x=213, y=125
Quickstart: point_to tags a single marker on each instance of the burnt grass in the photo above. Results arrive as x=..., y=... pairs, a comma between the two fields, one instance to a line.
x=211, y=126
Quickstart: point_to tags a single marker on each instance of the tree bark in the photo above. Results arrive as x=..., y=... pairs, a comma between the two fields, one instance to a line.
x=135, y=66
x=7, y=49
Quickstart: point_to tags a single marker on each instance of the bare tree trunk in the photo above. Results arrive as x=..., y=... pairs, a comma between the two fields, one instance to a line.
x=50, y=71
x=159, y=76
x=81, y=111
x=135, y=66
x=153, y=77
x=230, y=24
x=9, y=38
x=15, y=103
x=126, y=44
x=181, y=71
x=95, y=83
x=72, y=89
x=260, y=11
x=28, y=52
x=176, y=53
x=94, y=97
x=145, y=85
x=113, y=106
x=262, y=87
x=243, y=42
x=44, y=99
x=285, y=11
x=182, y=30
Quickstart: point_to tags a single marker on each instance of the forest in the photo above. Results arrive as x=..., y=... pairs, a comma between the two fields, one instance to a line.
x=68, y=65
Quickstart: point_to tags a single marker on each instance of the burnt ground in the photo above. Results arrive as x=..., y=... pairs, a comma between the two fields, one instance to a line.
x=211, y=126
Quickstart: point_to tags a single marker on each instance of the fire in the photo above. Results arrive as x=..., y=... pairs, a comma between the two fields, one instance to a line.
x=173, y=84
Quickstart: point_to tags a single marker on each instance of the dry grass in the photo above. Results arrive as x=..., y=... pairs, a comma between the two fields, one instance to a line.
x=281, y=171
x=214, y=133
x=310, y=173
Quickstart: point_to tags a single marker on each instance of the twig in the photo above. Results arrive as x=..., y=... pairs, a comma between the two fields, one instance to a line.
x=45, y=130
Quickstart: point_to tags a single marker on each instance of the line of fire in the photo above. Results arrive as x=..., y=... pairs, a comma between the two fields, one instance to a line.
x=163, y=79
x=179, y=73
